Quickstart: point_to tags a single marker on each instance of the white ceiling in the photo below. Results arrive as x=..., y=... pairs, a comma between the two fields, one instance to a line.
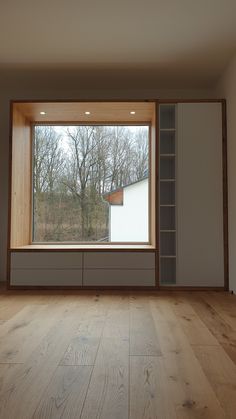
x=171, y=43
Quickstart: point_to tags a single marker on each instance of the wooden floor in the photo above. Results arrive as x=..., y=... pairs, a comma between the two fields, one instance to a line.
x=117, y=356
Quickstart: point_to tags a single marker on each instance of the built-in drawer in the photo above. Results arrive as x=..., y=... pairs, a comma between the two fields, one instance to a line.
x=119, y=277
x=46, y=260
x=119, y=260
x=46, y=277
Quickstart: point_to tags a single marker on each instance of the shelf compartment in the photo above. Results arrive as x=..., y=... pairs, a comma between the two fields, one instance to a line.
x=167, y=218
x=167, y=117
x=167, y=168
x=167, y=271
x=167, y=243
x=167, y=142
x=167, y=193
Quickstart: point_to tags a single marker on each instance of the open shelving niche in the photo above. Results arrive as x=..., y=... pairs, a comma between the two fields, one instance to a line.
x=167, y=193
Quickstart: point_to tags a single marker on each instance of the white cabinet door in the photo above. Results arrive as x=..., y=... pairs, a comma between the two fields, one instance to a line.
x=119, y=277
x=46, y=268
x=46, y=260
x=119, y=269
x=200, y=260
x=46, y=277
x=119, y=260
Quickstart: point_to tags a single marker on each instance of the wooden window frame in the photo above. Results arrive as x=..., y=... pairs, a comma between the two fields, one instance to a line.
x=21, y=173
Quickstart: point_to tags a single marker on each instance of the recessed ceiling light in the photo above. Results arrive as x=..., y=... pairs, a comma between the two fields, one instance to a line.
x=132, y=113
x=42, y=113
x=87, y=113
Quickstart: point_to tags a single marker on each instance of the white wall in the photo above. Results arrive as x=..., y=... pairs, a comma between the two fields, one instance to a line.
x=129, y=222
x=227, y=89
x=65, y=85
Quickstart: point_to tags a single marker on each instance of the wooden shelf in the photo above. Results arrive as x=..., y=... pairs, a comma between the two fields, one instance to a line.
x=167, y=231
x=167, y=256
x=168, y=205
x=167, y=155
x=167, y=129
x=85, y=247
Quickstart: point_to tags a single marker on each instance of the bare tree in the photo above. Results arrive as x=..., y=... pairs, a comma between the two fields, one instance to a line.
x=48, y=159
x=84, y=167
x=48, y=167
x=140, y=153
x=73, y=168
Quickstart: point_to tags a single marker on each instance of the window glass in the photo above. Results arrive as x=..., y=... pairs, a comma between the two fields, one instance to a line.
x=90, y=183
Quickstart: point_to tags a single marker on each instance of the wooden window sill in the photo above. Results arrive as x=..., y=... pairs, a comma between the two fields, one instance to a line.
x=84, y=247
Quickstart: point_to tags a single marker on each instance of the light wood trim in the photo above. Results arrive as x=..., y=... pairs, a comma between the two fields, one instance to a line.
x=225, y=196
x=20, y=181
x=157, y=198
x=189, y=288
x=31, y=184
x=9, y=196
x=124, y=289
x=22, y=109
x=82, y=289
x=83, y=247
x=91, y=123
x=152, y=180
x=75, y=111
x=175, y=101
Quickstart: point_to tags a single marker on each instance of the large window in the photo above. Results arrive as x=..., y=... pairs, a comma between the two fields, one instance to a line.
x=83, y=175
x=91, y=183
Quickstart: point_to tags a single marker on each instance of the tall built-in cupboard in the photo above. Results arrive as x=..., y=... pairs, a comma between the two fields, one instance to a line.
x=191, y=197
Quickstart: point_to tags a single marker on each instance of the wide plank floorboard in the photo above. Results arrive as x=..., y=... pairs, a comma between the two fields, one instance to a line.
x=223, y=331
x=117, y=355
x=189, y=388
x=150, y=396
x=143, y=336
x=65, y=394
x=107, y=395
x=221, y=374
x=22, y=390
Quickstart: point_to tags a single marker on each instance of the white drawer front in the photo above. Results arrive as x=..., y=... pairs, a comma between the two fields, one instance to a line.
x=119, y=260
x=112, y=277
x=46, y=277
x=46, y=260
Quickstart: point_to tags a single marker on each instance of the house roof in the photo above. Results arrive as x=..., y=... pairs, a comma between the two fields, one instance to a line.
x=115, y=196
